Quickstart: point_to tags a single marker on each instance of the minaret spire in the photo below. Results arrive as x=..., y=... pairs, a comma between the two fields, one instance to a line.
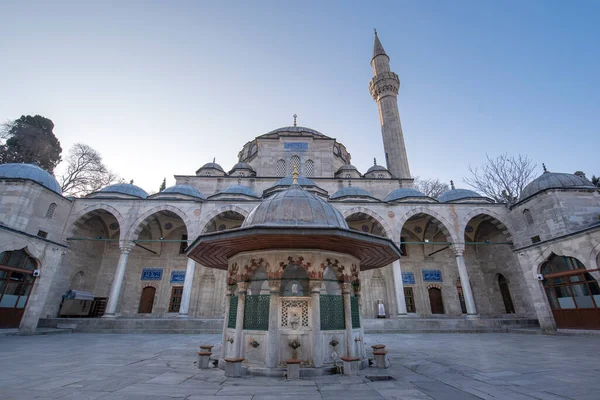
x=384, y=88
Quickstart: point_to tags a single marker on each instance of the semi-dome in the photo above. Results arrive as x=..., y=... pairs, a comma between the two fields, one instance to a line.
x=31, y=172
x=459, y=194
x=350, y=192
x=240, y=189
x=555, y=180
x=126, y=189
x=403, y=193
x=295, y=207
x=186, y=190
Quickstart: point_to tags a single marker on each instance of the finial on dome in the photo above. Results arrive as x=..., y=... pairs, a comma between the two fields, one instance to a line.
x=295, y=175
x=214, y=160
x=452, y=184
x=295, y=116
x=374, y=161
x=544, y=167
x=375, y=31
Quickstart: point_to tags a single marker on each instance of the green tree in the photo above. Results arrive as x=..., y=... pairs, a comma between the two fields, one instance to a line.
x=30, y=140
x=596, y=180
x=163, y=185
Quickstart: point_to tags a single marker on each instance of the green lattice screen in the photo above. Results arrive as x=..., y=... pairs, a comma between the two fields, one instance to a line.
x=256, y=312
x=332, y=312
x=233, y=300
x=354, y=312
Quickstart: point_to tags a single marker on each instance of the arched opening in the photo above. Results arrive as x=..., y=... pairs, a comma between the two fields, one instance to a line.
x=147, y=300
x=427, y=258
x=294, y=282
x=435, y=300
x=377, y=284
x=573, y=293
x=488, y=254
x=224, y=221
x=505, y=292
x=16, y=283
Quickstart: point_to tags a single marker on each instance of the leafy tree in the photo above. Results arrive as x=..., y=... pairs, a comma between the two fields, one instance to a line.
x=163, y=185
x=596, y=180
x=85, y=172
x=502, y=178
x=430, y=187
x=30, y=140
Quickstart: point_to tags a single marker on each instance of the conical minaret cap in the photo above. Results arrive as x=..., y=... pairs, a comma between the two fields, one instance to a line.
x=378, y=48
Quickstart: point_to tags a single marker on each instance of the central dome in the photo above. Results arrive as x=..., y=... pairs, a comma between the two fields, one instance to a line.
x=295, y=207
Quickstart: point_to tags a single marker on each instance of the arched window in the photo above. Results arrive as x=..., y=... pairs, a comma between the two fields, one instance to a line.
x=17, y=259
x=528, y=217
x=50, y=211
x=280, y=168
x=294, y=281
x=309, y=168
x=241, y=174
x=506, y=298
x=207, y=174
x=294, y=162
x=16, y=282
x=380, y=176
x=348, y=176
x=461, y=296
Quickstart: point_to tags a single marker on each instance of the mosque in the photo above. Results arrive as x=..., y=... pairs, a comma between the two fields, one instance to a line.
x=121, y=260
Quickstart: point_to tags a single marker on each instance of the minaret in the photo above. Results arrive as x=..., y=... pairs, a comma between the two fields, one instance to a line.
x=384, y=88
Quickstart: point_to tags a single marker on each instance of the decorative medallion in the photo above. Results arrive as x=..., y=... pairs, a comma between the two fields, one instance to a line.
x=197, y=212
x=365, y=228
x=391, y=214
x=418, y=229
x=469, y=228
x=114, y=226
x=168, y=225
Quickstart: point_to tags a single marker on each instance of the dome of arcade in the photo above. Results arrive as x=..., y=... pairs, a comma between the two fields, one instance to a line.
x=350, y=192
x=241, y=166
x=185, y=190
x=406, y=194
x=240, y=189
x=295, y=207
x=462, y=195
x=555, y=180
x=30, y=172
x=348, y=169
x=211, y=168
x=127, y=189
x=376, y=168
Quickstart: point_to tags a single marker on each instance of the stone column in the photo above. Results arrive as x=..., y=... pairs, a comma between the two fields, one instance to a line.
x=273, y=343
x=229, y=292
x=346, y=288
x=315, y=322
x=115, y=289
x=187, y=288
x=399, y=286
x=466, y=285
x=239, y=322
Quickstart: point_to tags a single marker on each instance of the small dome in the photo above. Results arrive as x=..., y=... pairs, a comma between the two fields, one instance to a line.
x=212, y=165
x=350, y=192
x=239, y=189
x=31, y=172
x=295, y=207
x=186, y=190
x=376, y=168
x=402, y=193
x=346, y=167
x=555, y=180
x=459, y=194
x=241, y=165
x=127, y=189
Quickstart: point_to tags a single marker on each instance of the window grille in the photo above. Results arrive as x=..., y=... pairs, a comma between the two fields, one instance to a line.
x=280, y=169
x=175, y=302
x=233, y=302
x=528, y=217
x=50, y=211
x=294, y=162
x=409, y=298
x=309, y=168
x=332, y=312
x=256, y=312
x=354, y=310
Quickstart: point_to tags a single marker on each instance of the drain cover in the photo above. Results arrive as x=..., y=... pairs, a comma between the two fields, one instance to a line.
x=377, y=378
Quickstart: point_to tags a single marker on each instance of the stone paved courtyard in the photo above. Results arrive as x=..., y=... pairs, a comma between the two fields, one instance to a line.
x=425, y=366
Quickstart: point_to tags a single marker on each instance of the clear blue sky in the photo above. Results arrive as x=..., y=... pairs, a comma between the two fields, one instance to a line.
x=160, y=88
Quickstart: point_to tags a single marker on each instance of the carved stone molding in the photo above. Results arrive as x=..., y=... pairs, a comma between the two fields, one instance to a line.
x=315, y=286
x=275, y=285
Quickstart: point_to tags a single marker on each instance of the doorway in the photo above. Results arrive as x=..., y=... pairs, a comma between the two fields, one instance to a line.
x=147, y=300
x=16, y=283
x=506, y=298
x=435, y=300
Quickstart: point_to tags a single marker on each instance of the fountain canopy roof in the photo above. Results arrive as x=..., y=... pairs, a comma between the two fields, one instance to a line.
x=293, y=219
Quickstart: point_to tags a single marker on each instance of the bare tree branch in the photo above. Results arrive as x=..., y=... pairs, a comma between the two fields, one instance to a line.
x=85, y=173
x=430, y=187
x=502, y=178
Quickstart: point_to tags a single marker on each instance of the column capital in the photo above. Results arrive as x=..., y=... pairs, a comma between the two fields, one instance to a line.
x=126, y=247
x=458, y=250
x=315, y=286
x=346, y=288
x=242, y=287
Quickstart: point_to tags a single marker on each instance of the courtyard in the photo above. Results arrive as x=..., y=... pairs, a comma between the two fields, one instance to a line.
x=423, y=366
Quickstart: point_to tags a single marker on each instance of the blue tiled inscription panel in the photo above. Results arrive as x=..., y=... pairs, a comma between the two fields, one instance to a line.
x=152, y=274
x=408, y=278
x=177, y=276
x=295, y=146
x=432, y=275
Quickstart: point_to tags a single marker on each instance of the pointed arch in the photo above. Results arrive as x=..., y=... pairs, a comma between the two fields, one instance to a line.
x=386, y=228
x=501, y=222
x=81, y=217
x=136, y=227
x=205, y=221
x=442, y=223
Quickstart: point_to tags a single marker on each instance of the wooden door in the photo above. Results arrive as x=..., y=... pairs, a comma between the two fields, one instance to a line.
x=435, y=299
x=147, y=300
